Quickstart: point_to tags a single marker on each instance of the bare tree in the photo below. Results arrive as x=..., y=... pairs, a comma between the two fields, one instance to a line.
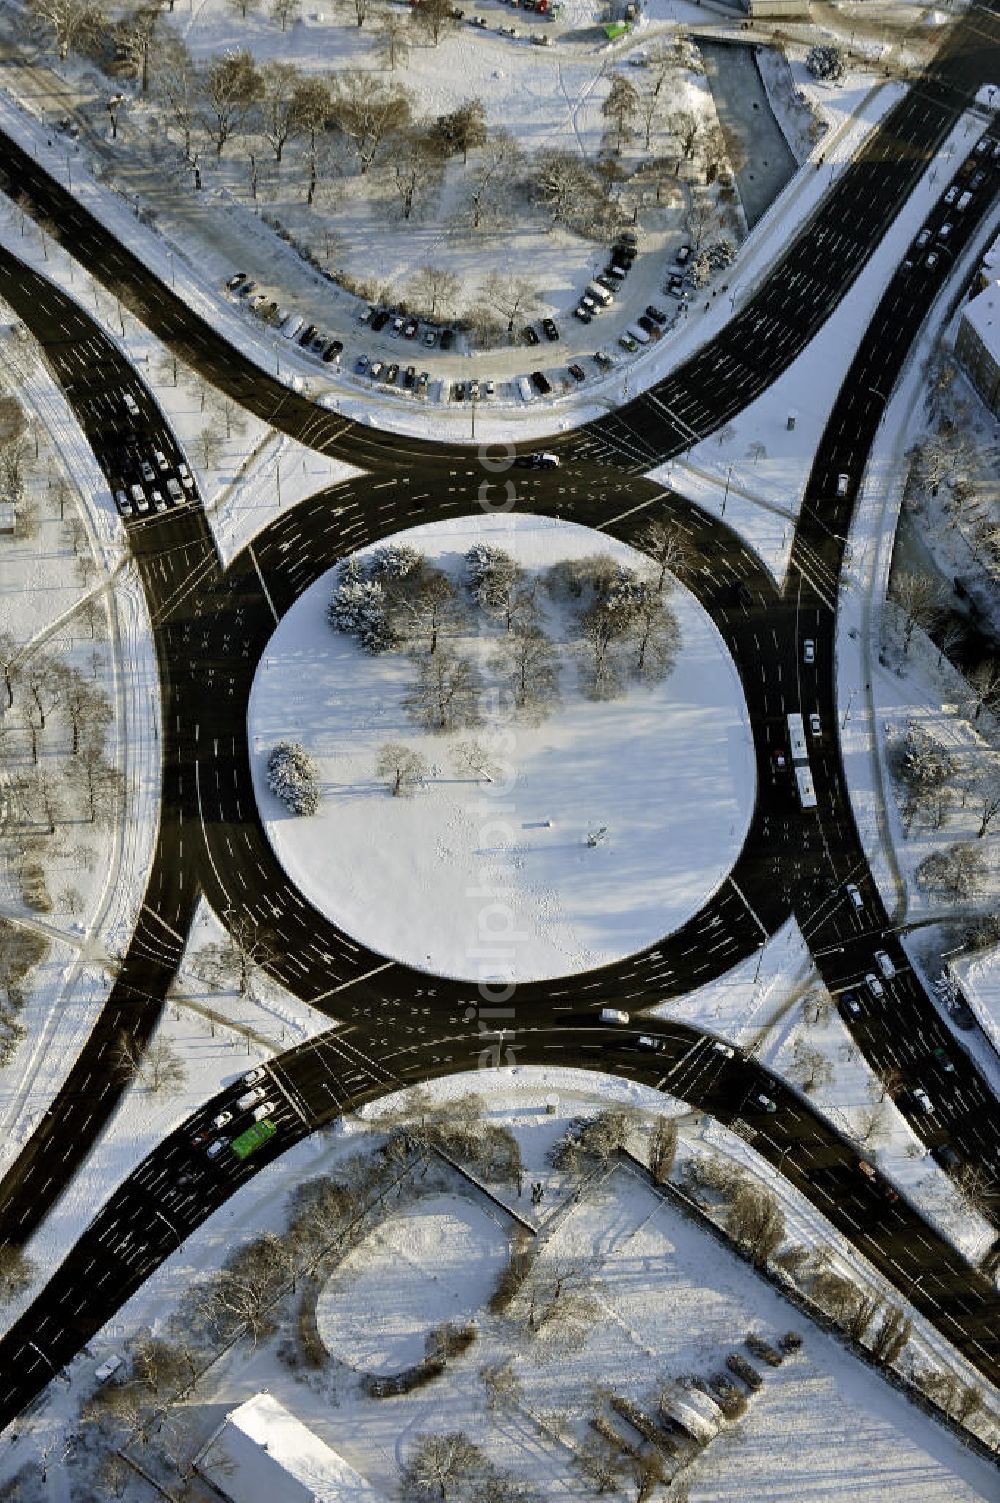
x=892, y=1335
x=655, y=632
x=666, y=544
x=278, y=81
x=663, y=1149
x=502, y=1385
x=415, y=169
x=230, y=87
x=284, y=11
x=984, y=680
x=9, y=650
x=474, y=758
x=400, y=767
x=311, y=109
x=16, y=1271
x=177, y=83
x=434, y=288
x=368, y=112
x=103, y=783
x=447, y=692
x=209, y=443
x=812, y=1068
x=392, y=34
x=489, y=177
x=252, y=948
x=988, y=792
x=919, y=598
x=620, y=108
x=530, y=666
x=157, y=1066
x=435, y=19
x=511, y=294
x=74, y=25
x=440, y=1465
x=959, y=871
x=755, y=1221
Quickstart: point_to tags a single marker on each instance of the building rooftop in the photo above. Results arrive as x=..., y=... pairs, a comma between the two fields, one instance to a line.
x=983, y=315
x=263, y=1454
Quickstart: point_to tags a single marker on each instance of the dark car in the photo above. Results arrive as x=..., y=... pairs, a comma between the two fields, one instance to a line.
x=551, y=332
x=333, y=349
x=683, y=255
x=656, y=314
x=540, y=383
x=529, y=335
x=849, y=1004
x=947, y=1157
x=577, y=372
x=459, y=391
x=650, y=325
x=236, y=281
x=583, y=314
x=447, y=338
x=409, y=376
x=410, y=329
x=361, y=364
x=379, y=320
x=947, y=1065
x=308, y=335
x=392, y=373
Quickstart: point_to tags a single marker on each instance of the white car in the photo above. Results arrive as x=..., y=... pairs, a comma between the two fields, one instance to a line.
x=613, y=1015
x=251, y=1097
x=922, y=1099
x=252, y=1076
x=814, y=724
x=214, y=1149
x=726, y=1050
x=265, y=1109
x=161, y=459
x=809, y=650
x=222, y=1120
x=885, y=965
x=187, y=479
x=874, y=985
x=854, y=893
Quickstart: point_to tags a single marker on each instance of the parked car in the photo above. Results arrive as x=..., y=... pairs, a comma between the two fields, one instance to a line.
x=489, y=389
x=236, y=281
x=409, y=376
x=682, y=255
x=577, y=372
x=375, y=369
x=447, y=338
x=308, y=335
x=529, y=335
x=551, y=332
x=540, y=383
x=410, y=329
x=648, y=325
x=604, y=360
x=361, y=364
x=656, y=314
x=430, y=337
x=379, y=320
x=333, y=351
x=628, y=343
x=251, y=1077
x=583, y=314
x=458, y=391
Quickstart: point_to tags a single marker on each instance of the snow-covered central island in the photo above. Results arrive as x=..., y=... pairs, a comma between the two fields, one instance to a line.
x=480, y=878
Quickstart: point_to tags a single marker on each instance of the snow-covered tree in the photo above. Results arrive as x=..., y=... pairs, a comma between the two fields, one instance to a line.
x=400, y=767
x=291, y=776
x=358, y=607
x=826, y=61
x=394, y=561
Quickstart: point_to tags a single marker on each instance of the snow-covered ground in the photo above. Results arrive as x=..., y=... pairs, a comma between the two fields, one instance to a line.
x=671, y=1301
x=497, y=878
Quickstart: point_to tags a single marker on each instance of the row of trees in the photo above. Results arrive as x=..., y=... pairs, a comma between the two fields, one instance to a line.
x=936, y=779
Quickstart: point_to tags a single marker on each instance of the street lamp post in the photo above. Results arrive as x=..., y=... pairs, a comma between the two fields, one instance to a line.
x=725, y=498
x=847, y=712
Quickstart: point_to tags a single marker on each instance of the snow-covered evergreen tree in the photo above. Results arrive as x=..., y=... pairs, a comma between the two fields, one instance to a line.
x=358, y=607
x=291, y=776
x=825, y=61
x=395, y=561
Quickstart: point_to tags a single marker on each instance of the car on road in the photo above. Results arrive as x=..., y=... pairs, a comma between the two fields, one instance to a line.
x=854, y=893
x=764, y=1102
x=138, y=498
x=868, y=1170
x=874, y=985
x=251, y=1097
x=147, y=471
x=158, y=500
x=809, y=650
x=923, y=238
x=613, y=1015
x=529, y=335
x=222, y=1120
x=931, y=260
x=161, y=459
x=252, y=1076
x=214, y=1149
x=266, y=1109
x=551, y=332
x=647, y=1041
x=131, y=405
x=541, y=383
x=951, y=195
x=920, y=1098
x=947, y=1065
x=848, y=1003
x=174, y=491
x=779, y=759
x=726, y=1050
x=814, y=724
x=187, y=479
x=538, y=461
x=885, y=964
x=123, y=503
x=577, y=372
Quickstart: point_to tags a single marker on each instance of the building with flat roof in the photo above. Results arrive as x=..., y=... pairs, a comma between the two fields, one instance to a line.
x=977, y=344
x=262, y=1453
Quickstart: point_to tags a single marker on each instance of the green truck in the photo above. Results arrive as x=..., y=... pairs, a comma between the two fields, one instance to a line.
x=255, y=1137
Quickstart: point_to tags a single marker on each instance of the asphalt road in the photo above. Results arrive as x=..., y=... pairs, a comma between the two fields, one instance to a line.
x=210, y=628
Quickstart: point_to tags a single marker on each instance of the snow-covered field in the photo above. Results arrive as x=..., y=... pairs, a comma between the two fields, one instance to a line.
x=497, y=878
x=670, y=1302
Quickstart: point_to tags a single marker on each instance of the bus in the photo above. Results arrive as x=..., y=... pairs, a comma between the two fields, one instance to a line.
x=255, y=1137
x=797, y=739
x=807, y=793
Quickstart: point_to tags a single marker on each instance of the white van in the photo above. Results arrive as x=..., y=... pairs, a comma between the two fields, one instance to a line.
x=598, y=293
x=293, y=323
x=523, y=388
x=963, y=203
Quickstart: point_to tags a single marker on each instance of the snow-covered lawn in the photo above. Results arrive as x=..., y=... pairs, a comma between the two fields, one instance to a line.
x=497, y=878
x=436, y=1261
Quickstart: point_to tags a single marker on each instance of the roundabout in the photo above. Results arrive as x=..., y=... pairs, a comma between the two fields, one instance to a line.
x=545, y=862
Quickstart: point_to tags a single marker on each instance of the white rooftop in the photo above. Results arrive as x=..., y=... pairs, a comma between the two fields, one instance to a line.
x=979, y=977
x=263, y=1454
x=983, y=314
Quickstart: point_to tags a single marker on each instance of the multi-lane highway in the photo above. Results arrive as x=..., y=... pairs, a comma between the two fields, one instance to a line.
x=211, y=626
